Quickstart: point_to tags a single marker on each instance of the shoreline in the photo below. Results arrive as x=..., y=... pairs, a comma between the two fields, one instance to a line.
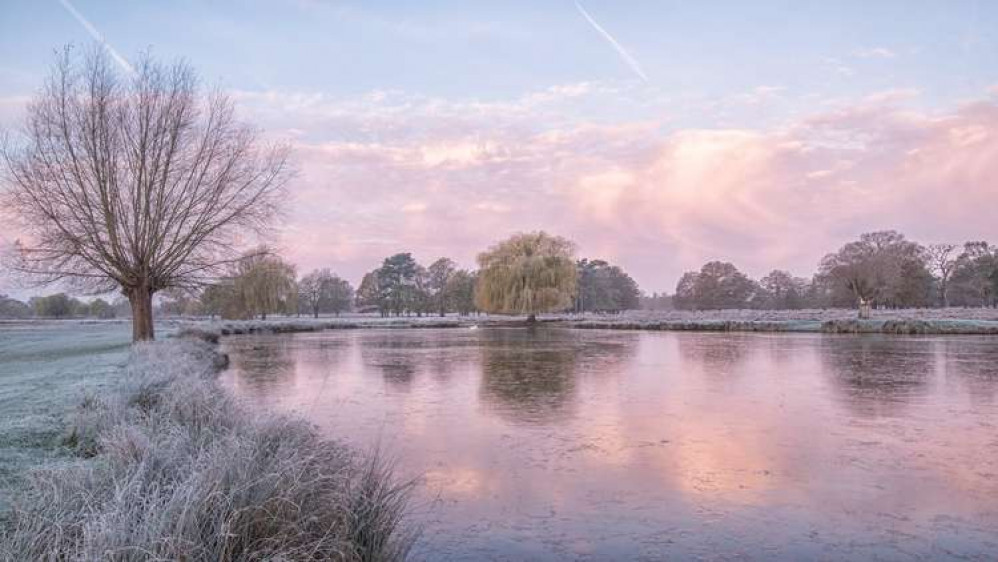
x=920, y=322
x=899, y=327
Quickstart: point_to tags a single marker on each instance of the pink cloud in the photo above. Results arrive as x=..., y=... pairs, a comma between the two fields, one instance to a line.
x=656, y=202
x=389, y=172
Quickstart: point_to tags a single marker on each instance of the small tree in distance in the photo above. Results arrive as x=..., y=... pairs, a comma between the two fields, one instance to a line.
x=527, y=274
x=136, y=182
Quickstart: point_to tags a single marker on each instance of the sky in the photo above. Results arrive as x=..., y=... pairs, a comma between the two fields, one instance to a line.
x=656, y=135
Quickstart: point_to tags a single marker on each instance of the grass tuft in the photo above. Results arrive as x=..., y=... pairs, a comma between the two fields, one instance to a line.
x=171, y=468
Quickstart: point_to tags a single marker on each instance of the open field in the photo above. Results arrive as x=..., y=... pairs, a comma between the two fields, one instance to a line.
x=46, y=368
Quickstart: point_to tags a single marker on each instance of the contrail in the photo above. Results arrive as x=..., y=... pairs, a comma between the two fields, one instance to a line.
x=628, y=59
x=97, y=35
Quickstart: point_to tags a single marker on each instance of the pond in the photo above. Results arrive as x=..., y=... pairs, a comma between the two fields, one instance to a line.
x=559, y=444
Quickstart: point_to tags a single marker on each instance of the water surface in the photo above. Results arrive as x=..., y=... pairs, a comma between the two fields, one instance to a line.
x=556, y=444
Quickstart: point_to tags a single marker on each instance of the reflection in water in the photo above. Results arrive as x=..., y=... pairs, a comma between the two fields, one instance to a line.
x=971, y=364
x=716, y=354
x=527, y=383
x=879, y=375
x=554, y=444
x=264, y=362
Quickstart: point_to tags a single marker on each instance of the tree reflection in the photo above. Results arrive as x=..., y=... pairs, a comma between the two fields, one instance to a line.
x=718, y=354
x=531, y=376
x=397, y=356
x=263, y=362
x=532, y=386
x=973, y=363
x=877, y=375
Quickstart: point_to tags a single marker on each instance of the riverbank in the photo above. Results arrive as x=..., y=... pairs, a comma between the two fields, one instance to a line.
x=164, y=464
x=948, y=321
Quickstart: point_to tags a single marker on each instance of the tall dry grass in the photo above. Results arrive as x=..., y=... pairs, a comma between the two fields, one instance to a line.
x=171, y=468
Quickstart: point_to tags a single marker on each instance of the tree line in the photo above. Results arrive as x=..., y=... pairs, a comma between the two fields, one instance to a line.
x=881, y=269
x=61, y=305
x=262, y=283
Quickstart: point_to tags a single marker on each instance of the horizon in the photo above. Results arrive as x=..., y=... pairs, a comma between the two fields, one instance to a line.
x=655, y=139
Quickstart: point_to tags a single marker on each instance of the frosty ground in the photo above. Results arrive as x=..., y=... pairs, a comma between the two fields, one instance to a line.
x=956, y=321
x=133, y=452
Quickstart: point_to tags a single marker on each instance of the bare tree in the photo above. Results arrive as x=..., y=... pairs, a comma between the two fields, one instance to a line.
x=321, y=291
x=438, y=274
x=942, y=262
x=138, y=182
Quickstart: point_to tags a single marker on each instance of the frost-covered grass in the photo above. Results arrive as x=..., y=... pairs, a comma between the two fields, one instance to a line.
x=897, y=321
x=168, y=467
x=282, y=324
x=45, y=369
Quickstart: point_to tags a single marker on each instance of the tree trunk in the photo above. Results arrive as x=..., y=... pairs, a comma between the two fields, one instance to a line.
x=142, y=326
x=864, y=309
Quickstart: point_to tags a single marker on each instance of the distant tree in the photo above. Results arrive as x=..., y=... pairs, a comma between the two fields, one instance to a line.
x=438, y=276
x=781, y=290
x=178, y=302
x=942, y=259
x=686, y=297
x=321, y=291
x=397, y=279
x=973, y=278
x=878, y=269
x=100, y=308
x=420, y=295
x=122, y=307
x=340, y=296
x=264, y=284
x=460, y=292
x=138, y=182
x=214, y=298
x=526, y=274
x=720, y=285
x=78, y=308
x=59, y=305
x=656, y=301
x=13, y=308
x=369, y=294
x=604, y=288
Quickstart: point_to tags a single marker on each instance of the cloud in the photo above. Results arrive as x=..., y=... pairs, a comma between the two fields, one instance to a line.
x=657, y=201
x=874, y=53
x=389, y=171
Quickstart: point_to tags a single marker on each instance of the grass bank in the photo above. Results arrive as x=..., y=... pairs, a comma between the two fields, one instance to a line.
x=166, y=466
x=896, y=326
x=952, y=321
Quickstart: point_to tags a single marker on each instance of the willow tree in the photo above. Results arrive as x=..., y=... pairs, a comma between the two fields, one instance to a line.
x=527, y=274
x=262, y=284
x=134, y=180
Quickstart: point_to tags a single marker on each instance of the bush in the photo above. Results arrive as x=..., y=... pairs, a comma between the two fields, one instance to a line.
x=180, y=471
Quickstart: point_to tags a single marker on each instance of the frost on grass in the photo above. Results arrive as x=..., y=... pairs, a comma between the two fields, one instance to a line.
x=177, y=470
x=895, y=321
